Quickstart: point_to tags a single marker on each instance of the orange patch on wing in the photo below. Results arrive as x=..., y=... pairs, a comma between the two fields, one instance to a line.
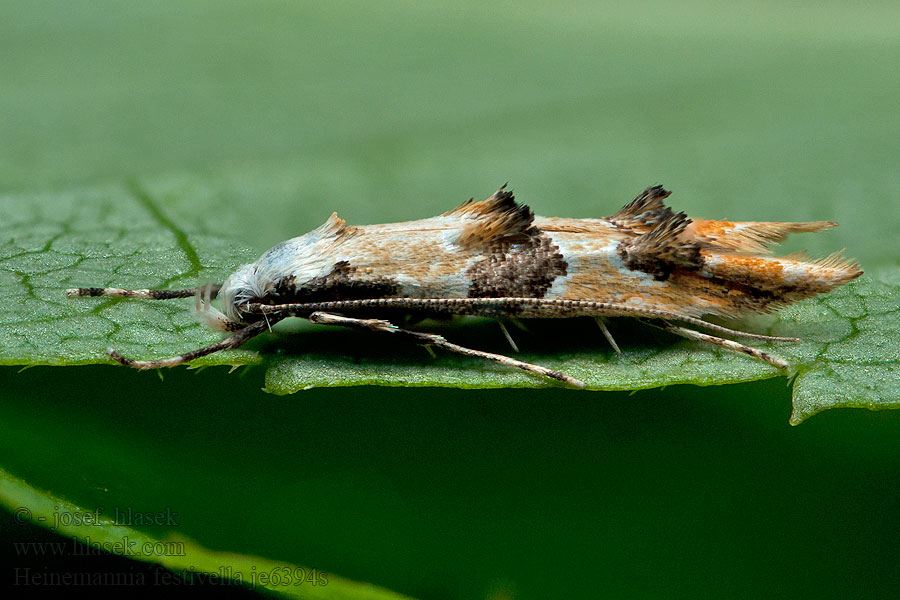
x=748, y=237
x=703, y=228
x=758, y=272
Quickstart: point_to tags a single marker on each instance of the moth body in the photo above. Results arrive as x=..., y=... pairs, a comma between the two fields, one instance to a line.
x=496, y=258
x=643, y=256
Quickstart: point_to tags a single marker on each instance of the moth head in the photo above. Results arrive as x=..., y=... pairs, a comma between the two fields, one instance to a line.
x=284, y=269
x=239, y=290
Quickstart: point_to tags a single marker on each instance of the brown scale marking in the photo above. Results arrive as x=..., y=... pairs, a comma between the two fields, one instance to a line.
x=501, y=201
x=523, y=266
x=342, y=283
x=645, y=212
x=496, y=218
x=660, y=251
x=490, y=228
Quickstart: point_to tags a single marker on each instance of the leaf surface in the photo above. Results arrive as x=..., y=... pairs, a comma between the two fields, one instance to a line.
x=180, y=554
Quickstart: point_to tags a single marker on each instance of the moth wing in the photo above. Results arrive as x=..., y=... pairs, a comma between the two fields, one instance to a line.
x=749, y=237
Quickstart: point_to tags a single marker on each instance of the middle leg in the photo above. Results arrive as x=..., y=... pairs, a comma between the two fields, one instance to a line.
x=431, y=339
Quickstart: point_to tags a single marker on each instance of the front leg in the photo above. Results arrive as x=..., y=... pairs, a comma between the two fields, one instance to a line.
x=232, y=341
x=431, y=339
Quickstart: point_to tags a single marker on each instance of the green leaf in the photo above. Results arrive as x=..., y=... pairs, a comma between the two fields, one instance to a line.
x=182, y=555
x=51, y=242
x=850, y=355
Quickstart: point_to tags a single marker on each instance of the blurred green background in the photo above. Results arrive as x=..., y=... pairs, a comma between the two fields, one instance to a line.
x=274, y=114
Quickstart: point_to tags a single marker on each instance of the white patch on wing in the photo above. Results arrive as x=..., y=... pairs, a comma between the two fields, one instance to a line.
x=793, y=271
x=573, y=260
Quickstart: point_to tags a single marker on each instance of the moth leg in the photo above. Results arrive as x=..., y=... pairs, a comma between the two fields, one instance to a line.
x=142, y=294
x=729, y=344
x=509, y=338
x=609, y=338
x=233, y=341
x=381, y=326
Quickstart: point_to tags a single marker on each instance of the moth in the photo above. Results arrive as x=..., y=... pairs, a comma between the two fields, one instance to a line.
x=495, y=258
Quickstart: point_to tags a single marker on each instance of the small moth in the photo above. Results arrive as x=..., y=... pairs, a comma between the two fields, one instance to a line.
x=495, y=258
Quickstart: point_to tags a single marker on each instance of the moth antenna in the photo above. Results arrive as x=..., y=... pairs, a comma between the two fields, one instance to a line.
x=139, y=294
x=509, y=338
x=483, y=306
x=233, y=341
x=382, y=326
x=607, y=334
